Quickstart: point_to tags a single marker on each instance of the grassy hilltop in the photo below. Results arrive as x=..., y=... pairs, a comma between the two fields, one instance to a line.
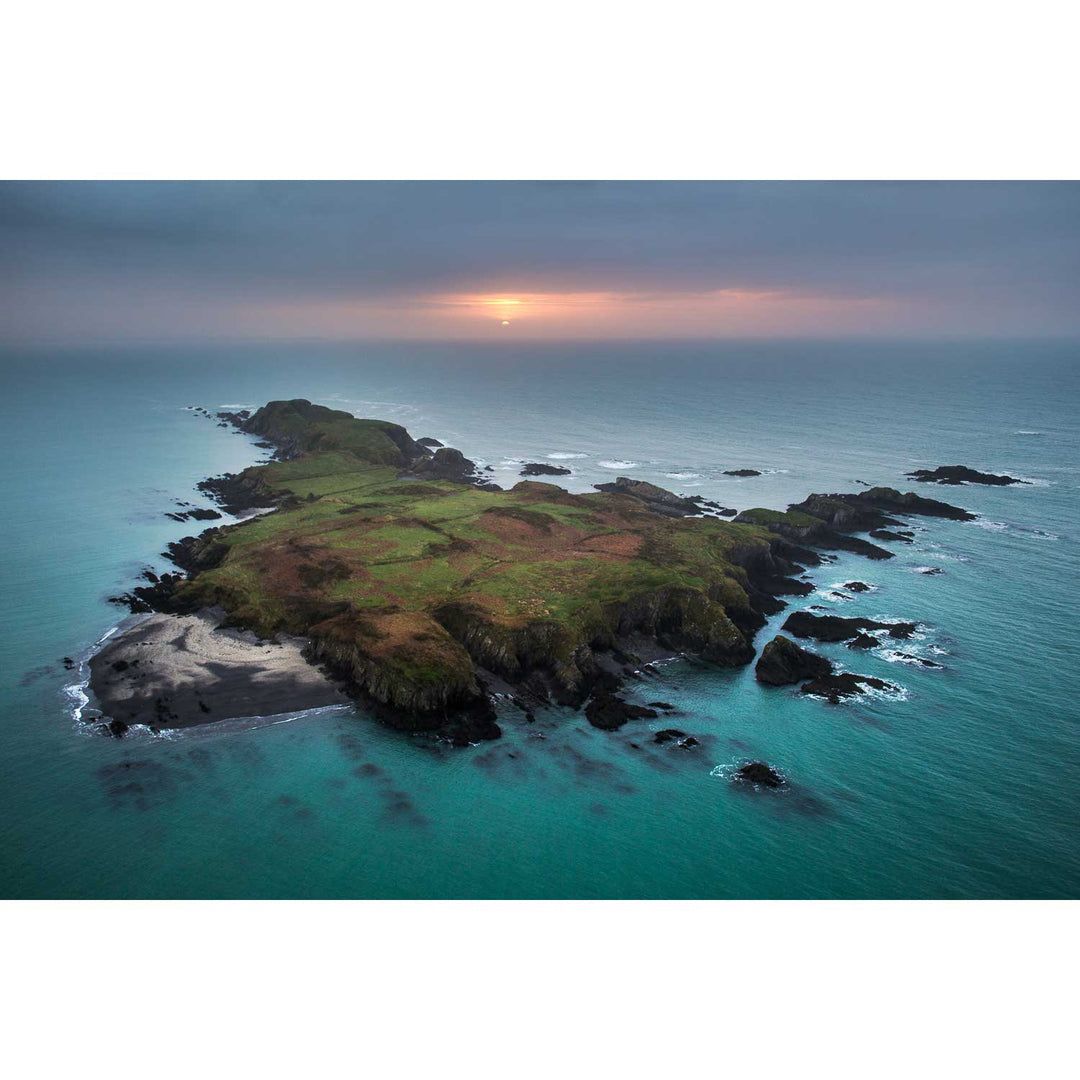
x=407, y=586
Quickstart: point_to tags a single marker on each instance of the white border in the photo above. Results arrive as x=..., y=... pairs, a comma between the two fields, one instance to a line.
x=526, y=990
x=594, y=89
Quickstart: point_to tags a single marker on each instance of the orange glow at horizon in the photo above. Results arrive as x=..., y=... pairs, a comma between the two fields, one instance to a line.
x=598, y=315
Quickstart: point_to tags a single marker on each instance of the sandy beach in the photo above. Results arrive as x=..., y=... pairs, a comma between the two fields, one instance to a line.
x=179, y=671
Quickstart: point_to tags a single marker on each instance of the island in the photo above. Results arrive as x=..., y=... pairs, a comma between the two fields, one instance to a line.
x=385, y=570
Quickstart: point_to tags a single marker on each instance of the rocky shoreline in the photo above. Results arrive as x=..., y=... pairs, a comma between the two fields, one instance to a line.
x=543, y=661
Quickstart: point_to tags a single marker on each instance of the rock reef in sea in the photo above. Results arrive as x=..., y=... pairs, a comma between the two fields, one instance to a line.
x=961, y=474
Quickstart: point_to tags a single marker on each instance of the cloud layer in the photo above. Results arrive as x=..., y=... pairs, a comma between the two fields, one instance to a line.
x=187, y=261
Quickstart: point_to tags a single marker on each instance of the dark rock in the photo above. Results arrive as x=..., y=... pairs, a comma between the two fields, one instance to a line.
x=446, y=464
x=609, y=713
x=657, y=499
x=539, y=468
x=919, y=660
x=856, y=586
x=669, y=735
x=835, y=687
x=782, y=662
x=863, y=641
x=835, y=628
x=666, y=705
x=741, y=472
x=886, y=534
x=932, y=570
x=910, y=503
x=116, y=728
x=432, y=444
x=757, y=772
x=68, y=663
x=198, y=514
x=961, y=474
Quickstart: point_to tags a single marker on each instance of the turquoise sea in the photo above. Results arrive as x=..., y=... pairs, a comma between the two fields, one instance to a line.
x=963, y=783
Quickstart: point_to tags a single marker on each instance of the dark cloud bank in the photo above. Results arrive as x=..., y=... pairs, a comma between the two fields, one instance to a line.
x=177, y=261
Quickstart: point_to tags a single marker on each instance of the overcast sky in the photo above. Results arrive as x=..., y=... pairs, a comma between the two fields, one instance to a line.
x=108, y=261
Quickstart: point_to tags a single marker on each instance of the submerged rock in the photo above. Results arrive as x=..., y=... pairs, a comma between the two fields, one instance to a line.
x=782, y=662
x=609, y=712
x=679, y=738
x=961, y=474
x=919, y=660
x=669, y=735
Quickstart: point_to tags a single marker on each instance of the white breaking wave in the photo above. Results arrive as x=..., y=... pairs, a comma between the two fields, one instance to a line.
x=617, y=464
x=565, y=455
x=683, y=475
x=1029, y=432
x=76, y=694
x=894, y=656
x=993, y=526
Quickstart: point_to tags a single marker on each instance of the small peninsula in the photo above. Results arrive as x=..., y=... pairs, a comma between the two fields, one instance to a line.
x=422, y=590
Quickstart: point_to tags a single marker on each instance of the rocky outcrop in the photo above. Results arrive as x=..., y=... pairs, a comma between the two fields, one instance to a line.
x=961, y=474
x=863, y=641
x=298, y=427
x=827, y=521
x=857, y=586
x=782, y=663
x=657, y=499
x=741, y=472
x=804, y=624
x=836, y=687
x=238, y=492
x=539, y=468
x=446, y=464
x=759, y=774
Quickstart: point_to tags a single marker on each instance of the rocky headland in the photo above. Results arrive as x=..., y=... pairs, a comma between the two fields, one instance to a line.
x=402, y=578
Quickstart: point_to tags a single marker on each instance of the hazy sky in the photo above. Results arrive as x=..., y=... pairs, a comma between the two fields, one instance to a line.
x=181, y=261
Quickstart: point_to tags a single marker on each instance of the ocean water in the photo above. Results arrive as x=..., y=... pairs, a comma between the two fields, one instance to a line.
x=963, y=782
